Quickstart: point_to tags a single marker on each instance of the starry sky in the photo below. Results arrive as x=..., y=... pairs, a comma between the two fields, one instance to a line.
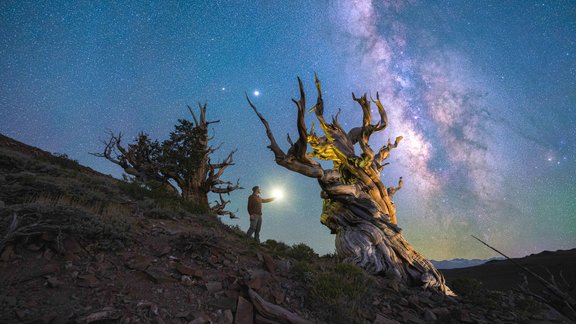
x=484, y=93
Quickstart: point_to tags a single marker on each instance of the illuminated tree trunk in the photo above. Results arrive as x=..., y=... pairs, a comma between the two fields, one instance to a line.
x=356, y=204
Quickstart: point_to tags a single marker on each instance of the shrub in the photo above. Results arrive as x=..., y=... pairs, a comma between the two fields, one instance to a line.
x=466, y=286
x=275, y=247
x=33, y=219
x=338, y=291
x=302, y=252
x=160, y=197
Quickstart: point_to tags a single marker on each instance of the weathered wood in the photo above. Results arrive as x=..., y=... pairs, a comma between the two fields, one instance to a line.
x=357, y=206
x=274, y=312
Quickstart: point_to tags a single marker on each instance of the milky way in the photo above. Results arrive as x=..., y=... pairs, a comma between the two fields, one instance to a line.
x=483, y=93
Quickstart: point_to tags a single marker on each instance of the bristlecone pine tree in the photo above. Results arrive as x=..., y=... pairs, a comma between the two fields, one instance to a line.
x=356, y=204
x=181, y=164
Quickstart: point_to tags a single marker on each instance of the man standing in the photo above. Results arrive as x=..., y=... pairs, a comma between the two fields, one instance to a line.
x=255, y=212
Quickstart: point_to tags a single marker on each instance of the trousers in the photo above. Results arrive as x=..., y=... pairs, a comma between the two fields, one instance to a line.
x=255, y=225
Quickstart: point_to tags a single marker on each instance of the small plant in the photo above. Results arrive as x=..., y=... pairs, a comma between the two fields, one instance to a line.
x=467, y=286
x=157, y=197
x=23, y=222
x=301, y=252
x=275, y=247
x=303, y=271
x=338, y=291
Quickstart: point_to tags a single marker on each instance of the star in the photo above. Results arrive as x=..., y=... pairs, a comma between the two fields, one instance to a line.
x=256, y=93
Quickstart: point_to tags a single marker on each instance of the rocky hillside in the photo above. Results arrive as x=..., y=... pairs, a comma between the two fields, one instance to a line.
x=78, y=246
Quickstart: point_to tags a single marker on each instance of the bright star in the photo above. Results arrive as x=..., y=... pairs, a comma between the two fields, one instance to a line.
x=256, y=93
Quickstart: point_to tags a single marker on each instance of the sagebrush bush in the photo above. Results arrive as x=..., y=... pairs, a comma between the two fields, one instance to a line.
x=302, y=252
x=298, y=251
x=336, y=290
x=35, y=219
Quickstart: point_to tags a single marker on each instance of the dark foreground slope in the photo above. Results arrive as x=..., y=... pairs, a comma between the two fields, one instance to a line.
x=77, y=246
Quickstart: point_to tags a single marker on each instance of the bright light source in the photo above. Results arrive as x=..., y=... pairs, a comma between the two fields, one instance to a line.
x=256, y=93
x=278, y=193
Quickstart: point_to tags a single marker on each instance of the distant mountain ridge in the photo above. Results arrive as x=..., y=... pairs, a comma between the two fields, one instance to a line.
x=503, y=275
x=460, y=263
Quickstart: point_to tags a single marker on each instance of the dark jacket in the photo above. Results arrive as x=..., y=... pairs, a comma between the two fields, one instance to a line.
x=255, y=204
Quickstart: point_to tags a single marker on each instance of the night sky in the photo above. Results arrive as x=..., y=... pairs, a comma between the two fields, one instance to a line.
x=484, y=93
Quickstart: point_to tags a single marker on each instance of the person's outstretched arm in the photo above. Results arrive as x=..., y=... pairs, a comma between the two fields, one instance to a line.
x=267, y=200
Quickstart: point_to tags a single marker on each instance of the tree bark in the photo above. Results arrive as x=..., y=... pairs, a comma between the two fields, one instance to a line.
x=357, y=207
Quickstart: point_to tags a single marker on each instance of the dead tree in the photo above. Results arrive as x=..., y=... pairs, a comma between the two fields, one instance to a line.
x=180, y=164
x=356, y=204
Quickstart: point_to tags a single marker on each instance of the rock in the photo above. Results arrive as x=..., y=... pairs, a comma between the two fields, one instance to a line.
x=53, y=282
x=437, y=297
x=100, y=316
x=426, y=300
x=214, y=286
x=283, y=265
x=394, y=285
x=408, y=317
x=244, y=312
x=381, y=319
x=429, y=316
x=189, y=271
x=263, y=320
x=139, y=262
x=186, y=281
x=224, y=303
x=279, y=295
x=88, y=281
x=34, y=247
x=441, y=312
x=151, y=306
x=164, y=250
x=226, y=318
x=71, y=245
x=464, y=316
x=48, y=237
x=200, y=318
x=258, y=279
x=269, y=263
x=49, y=318
x=255, y=283
x=8, y=254
x=48, y=254
x=158, y=276
x=184, y=314
x=509, y=316
x=24, y=314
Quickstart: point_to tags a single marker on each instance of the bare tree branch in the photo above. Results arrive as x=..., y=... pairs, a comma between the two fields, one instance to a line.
x=307, y=167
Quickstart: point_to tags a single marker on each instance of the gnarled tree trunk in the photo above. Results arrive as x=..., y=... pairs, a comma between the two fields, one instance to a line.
x=181, y=163
x=356, y=204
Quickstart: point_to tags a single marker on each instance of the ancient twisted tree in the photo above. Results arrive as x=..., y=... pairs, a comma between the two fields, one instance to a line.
x=181, y=164
x=356, y=204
